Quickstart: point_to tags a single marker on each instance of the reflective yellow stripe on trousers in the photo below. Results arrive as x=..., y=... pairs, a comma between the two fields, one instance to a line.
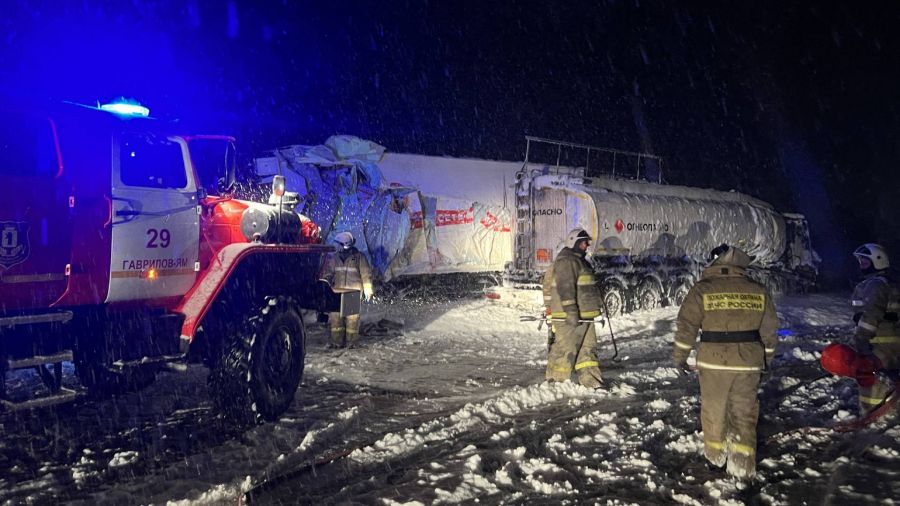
x=742, y=448
x=586, y=363
x=885, y=340
x=736, y=368
x=874, y=401
x=714, y=445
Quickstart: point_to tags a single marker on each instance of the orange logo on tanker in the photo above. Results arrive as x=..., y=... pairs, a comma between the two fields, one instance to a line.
x=620, y=225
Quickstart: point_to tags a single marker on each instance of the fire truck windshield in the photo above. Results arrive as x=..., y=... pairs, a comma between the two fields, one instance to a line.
x=214, y=164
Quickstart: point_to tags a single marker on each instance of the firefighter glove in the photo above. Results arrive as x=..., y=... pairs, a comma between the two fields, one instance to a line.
x=572, y=318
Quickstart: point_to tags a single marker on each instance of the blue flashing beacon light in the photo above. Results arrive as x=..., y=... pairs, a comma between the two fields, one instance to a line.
x=126, y=109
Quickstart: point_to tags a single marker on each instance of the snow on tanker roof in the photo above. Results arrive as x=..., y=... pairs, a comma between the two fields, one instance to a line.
x=619, y=185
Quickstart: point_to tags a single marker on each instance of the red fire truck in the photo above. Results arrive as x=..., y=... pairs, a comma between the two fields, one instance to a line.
x=124, y=251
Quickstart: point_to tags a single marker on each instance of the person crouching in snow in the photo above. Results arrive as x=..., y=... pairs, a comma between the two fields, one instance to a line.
x=738, y=326
x=574, y=297
x=346, y=269
x=876, y=305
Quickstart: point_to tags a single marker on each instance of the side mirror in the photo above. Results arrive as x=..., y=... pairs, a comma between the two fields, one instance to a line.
x=278, y=185
x=227, y=182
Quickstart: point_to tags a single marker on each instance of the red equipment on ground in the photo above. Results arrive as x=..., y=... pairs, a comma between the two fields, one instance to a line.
x=842, y=360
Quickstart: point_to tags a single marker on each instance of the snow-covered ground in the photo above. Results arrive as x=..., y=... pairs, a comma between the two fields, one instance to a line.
x=445, y=403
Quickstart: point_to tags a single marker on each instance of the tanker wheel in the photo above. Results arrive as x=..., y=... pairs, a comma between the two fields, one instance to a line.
x=648, y=295
x=260, y=366
x=679, y=293
x=613, y=301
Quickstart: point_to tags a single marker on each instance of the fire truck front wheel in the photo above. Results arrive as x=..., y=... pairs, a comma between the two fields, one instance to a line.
x=260, y=368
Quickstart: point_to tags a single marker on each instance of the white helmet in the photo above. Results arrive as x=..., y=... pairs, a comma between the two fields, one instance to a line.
x=875, y=253
x=576, y=235
x=729, y=255
x=345, y=239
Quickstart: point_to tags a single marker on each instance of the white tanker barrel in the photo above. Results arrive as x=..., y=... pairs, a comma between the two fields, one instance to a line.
x=642, y=219
x=674, y=226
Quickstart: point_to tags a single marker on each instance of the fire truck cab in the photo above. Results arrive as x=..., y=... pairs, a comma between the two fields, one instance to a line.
x=124, y=251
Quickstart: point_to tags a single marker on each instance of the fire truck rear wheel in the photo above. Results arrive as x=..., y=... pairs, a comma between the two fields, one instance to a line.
x=260, y=368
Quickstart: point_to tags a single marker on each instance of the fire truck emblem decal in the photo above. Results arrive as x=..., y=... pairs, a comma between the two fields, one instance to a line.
x=13, y=243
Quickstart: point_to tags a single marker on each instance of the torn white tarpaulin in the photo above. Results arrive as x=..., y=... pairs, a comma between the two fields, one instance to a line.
x=404, y=229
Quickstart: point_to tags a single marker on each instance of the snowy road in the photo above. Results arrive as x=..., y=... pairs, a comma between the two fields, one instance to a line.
x=450, y=407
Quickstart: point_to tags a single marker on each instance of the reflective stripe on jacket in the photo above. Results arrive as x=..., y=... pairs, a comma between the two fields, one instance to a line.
x=727, y=303
x=877, y=301
x=573, y=286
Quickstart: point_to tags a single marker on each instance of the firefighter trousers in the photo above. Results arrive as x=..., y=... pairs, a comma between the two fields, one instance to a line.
x=344, y=331
x=729, y=409
x=872, y=396
x=574, y=350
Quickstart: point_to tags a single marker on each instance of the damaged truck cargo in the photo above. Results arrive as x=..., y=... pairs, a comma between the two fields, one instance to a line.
x=412, y=215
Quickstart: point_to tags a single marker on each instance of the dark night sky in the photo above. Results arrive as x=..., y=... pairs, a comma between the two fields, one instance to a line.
x=795, y=104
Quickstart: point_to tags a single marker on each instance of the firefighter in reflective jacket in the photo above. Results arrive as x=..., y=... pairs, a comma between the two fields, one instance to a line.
x=346, y=269
x=574, y=296
x=876, y=304
x=736, y=319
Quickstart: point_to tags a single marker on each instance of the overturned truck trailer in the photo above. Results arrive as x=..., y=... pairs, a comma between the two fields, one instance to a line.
x=651, y=239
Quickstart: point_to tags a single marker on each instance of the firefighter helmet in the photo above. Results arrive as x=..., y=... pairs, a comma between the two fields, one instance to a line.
x=575, y=236
x=874, y=253
x=345, y=239
x=729, y=255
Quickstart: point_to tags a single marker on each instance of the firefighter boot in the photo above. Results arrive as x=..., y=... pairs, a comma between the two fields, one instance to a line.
x=590, y=377
x=741, y=465
x=352, y=330
x=338, y=330
x=715, y=454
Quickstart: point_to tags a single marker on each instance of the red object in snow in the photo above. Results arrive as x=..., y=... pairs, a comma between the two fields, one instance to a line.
x=842, y=360
x=839, y=359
